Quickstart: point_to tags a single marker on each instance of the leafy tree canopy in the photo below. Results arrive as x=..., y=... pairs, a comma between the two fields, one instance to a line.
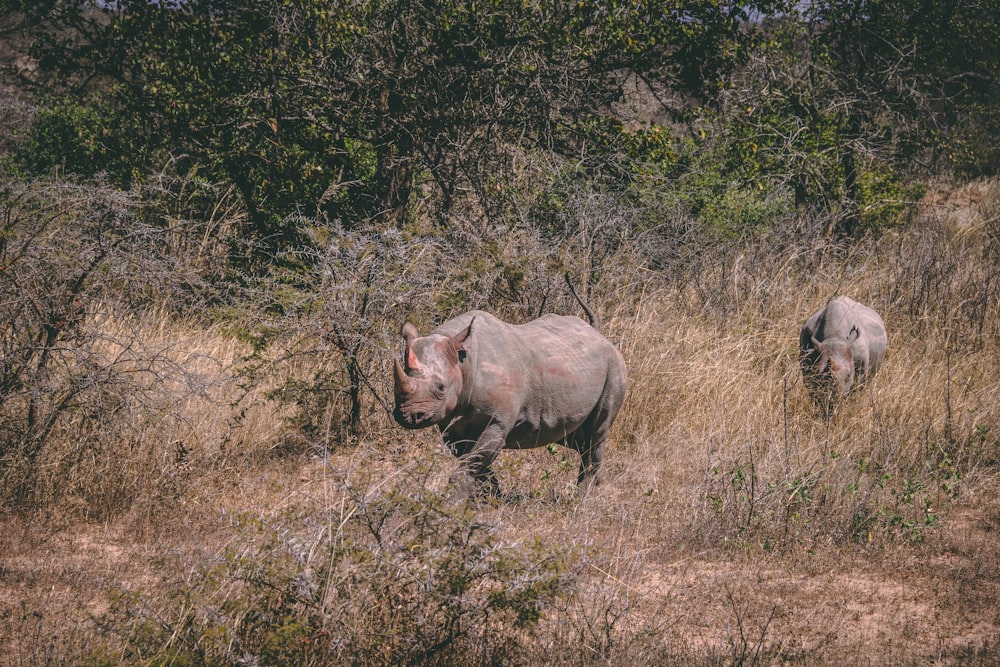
x=336, y=107
x=347, y=109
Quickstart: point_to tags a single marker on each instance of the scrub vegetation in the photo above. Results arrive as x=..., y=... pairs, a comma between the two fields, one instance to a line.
x=215, y=216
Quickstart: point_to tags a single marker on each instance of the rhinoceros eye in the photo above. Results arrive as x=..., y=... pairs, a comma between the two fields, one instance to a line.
x=440, y=387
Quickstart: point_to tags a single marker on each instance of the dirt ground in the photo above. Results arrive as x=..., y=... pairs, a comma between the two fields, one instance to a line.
x=930, y=603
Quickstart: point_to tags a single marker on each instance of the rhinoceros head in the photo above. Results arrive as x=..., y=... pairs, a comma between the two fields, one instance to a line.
x=429, y=380
x=836, y=363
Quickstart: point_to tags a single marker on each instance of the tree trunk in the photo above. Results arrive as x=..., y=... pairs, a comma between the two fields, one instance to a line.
x=850, y=222
x=394, y=169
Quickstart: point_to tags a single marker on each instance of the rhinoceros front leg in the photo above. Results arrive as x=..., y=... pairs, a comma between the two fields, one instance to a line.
x=475, y=472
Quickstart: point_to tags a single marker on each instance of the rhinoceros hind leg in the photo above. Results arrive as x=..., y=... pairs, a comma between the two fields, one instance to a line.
x=589, y=443
x=590, y=438
x=591, y=458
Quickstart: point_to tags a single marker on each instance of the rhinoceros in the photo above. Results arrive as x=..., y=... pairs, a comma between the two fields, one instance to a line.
x=489, y=385
x=840, y=347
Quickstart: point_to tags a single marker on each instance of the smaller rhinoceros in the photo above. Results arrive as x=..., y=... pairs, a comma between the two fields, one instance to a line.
x=840, y=347
x=489, y=385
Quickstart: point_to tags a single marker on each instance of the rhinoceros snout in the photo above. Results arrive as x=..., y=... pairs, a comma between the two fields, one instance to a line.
x=416, y=418
x=412, y=419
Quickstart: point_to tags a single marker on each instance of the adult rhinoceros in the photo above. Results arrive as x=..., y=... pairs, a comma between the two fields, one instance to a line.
x=490, y=385
x=840, y=347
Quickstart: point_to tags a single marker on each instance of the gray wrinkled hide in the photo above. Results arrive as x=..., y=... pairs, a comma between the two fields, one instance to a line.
x=840, y=347
x=490, y=385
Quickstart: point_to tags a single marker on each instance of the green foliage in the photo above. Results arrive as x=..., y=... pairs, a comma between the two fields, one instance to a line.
x=831, y=112
x=730, y=194
x=356, y=111
x=970, y=146
x=337, y=109
x=332, y=306
x=907, y=70
x=68, y=137
x=906, y=512
x=887, y=200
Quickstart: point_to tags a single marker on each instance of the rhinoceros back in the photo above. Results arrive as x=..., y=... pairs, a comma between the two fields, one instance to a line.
x=542, y=379
x=845, y=318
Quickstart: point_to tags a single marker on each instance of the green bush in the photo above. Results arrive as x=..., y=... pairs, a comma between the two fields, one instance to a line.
x=72, y=138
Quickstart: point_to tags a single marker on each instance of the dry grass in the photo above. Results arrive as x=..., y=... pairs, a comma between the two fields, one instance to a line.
x=735, y=525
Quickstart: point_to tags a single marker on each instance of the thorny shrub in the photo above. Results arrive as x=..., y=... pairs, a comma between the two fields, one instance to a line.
x=395, y=577
x=76, y=393
x=324, y=321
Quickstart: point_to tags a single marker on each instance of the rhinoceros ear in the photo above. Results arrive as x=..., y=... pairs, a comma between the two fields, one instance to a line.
x=458, y=340
x=409, y=332
x=823, y=357
x=853, y=334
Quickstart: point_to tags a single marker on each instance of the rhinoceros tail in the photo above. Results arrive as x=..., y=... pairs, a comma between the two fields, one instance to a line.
x=594, y=322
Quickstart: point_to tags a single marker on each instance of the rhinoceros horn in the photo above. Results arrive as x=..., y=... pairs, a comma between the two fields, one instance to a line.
x=409, y=333
x=404, y=385
x=411, y=359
